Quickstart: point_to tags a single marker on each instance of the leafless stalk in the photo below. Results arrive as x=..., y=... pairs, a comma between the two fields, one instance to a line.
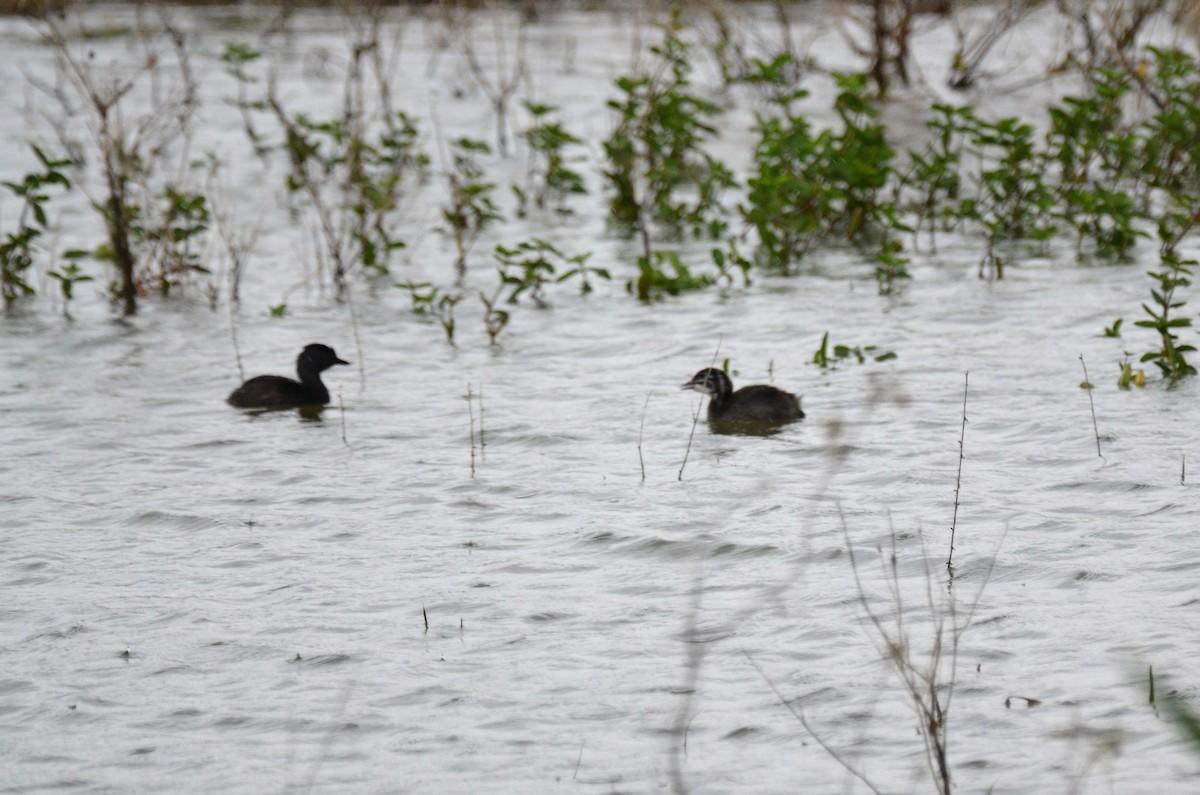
x=928, y=684
x=958, y=478
x=973, y=48
x=641, y=432
x=888, y=29
x=333, y=235
x=793, y=707
x=348, y=296
x=691, y=435
x=326, y=746
x=130, y=145
x=471, y=412
x=237, y=239
x=578, y=760
x=482, y=441
x=508, y=77
x=696, y=648
x=350, y=206
x=342, y=415
x=696, y=413
x=1087, y=385
x=1110, y=31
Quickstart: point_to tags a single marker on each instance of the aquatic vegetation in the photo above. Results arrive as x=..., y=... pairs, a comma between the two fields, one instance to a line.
x=935, y=173
x=436, y=302
x=654, y=281
x=19, y=247
x=131, y=143
x=169, y=239
x=656, y=165
x=500, y=87
x=67, y=277
x=550, y=180
x=1168, y=147
x=530, y=266
x=1094, y=149
x=1012, y=200
x=237, y=57
x=353, y=182
x=809, y=187
x=890, y=266
x=1115, y=161
x=1175, y=272
x=889, y=30
x=471, y=208
x=351, y=172
x=825, y=357
x=495, y=319
x=1128, y=376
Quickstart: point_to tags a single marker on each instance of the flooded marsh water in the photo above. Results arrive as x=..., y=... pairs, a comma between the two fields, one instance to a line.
x=530, y=590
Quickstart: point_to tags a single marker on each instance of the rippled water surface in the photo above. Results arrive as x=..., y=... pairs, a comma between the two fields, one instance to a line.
x=414, y=593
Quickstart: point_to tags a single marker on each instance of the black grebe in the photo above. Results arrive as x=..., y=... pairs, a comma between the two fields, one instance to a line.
x=277, y=392
x=757, y=402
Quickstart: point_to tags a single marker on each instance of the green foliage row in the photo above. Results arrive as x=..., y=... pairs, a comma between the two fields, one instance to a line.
x=1107, y=176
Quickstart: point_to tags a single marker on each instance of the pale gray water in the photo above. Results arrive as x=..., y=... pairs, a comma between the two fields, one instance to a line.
x=267, y=577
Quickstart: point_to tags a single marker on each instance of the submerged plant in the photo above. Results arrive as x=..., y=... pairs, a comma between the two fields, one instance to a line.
x=18, y=246
x=807, y=187
x=172, y=250
x=654, y=281
x=352, y=181
x=656, y=165
x=1013, y=199
x=825, y=357
x=130, y=145
x=1169, y=358
x=531, y=266
x=435, y=302
x=67, y=277
x=934, y=174
x=1095, y=151
x=551, y=180
x=1128, y=375
x=471, y=208
x=494, y=318
x=1168, y=153
x=237, y=57
x=891, y=266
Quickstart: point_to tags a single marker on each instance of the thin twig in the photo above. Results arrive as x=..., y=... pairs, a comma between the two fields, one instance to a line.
x=683, y=719
x=642, y=430
x=687, y=452
x=1087, y=385
x=578, y=759
x=482, y=443
x=799, y=715
x=471, y=412
x=347, y=293
x=237, y=351
x=342, y=412
x=326, y=745
x=696, y=413
x=958, y=478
